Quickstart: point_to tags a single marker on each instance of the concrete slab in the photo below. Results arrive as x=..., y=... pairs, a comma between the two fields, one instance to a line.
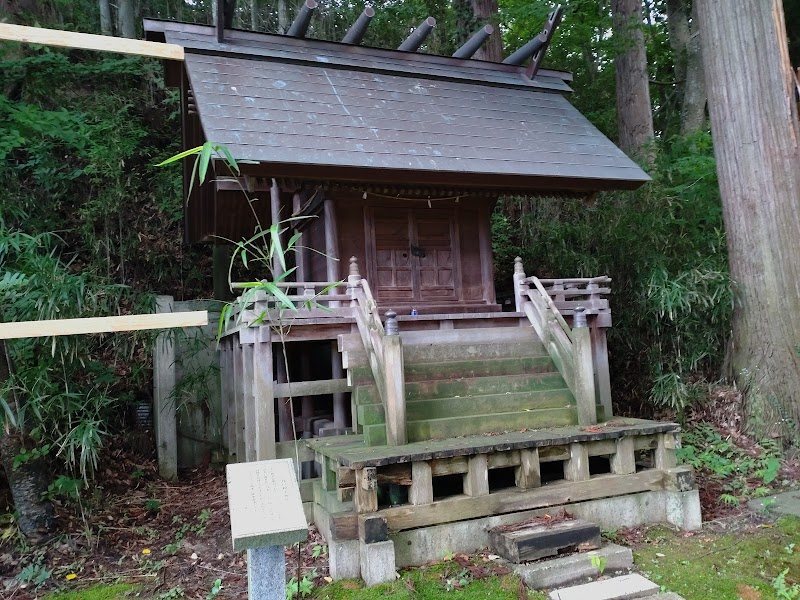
x=558, y=572
x=787, y=503
x=343, y=559
x=626, y=587
x=377, y=562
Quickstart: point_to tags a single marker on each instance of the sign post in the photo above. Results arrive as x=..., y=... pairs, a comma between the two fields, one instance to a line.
x=266, y=515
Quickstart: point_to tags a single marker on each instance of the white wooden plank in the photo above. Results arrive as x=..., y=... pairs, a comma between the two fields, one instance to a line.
x=29, y=329
x=88, y=41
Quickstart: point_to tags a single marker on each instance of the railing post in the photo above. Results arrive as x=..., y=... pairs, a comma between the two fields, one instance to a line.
x=602, y=376
x=584, y=369
x=519, y=285
x=353, y=280
x=395, y=401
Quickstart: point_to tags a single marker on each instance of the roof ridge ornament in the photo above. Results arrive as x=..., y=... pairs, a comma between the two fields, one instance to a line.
x=537, y=47
x=418, y=36
x=356, y=32
x=299, y=26
x=473, y=44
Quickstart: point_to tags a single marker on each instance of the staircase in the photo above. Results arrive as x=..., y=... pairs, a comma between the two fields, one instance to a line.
x=463, y=382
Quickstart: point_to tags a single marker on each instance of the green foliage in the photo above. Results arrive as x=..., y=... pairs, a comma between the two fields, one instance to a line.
x=784, y=591
x=664, y=249
x=599, y=563
x=737, y=564
x=114, y=591
x=302, y=588
x=216, y=588
x=704, y=448
x=35, y=573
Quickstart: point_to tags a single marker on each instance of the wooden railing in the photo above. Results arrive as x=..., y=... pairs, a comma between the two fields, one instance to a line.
x=384, y=350
x=575, y=350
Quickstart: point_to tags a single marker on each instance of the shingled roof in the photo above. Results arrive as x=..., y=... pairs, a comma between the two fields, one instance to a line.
x=306, y=108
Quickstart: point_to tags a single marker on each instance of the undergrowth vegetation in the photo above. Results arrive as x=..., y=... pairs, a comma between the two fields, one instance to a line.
x=664, y=248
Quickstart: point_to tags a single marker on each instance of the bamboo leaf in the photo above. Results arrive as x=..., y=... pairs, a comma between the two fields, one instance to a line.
x=276, y=244
x=204, y=160
x=179, y=156
x=278, y=294
x=229, y=157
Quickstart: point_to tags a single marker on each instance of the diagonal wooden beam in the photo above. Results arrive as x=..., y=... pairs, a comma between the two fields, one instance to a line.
x=88, y=41
x=30, y=329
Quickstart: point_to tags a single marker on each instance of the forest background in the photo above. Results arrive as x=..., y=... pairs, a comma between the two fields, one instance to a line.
x=89, y=226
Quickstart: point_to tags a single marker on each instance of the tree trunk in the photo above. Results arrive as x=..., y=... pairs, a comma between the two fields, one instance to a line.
x=106, y=24
x=754, y=120
x=283, y=17
x=693, y=109
x=254, y=15
x=126, y=18
x=634, y=112
x=486, y=12
x=28, y=481
x=678, y=27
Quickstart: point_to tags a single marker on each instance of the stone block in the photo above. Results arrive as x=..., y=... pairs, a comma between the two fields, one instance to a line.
x=266, y=573
x=343, y=559
x=625, y=587
x=377, y=562
x=557, y=572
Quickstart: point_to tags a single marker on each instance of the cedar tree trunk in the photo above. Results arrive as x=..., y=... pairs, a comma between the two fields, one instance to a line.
x=693, y=109
x=634, y=113
x=29, y=480
x=106, y=27
x=126, y=18
x=754, y=120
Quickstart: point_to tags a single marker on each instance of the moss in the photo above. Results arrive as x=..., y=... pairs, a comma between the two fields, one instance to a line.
x=117, y=591
x=731, y=566
x=427, y=583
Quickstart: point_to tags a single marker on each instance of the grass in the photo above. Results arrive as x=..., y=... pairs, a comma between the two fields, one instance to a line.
x=117, y=591
x=428, y=583
x=740, y=565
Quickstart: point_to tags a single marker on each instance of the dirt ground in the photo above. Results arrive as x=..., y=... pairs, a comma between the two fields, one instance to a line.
x=173, y=536
x=133, y=525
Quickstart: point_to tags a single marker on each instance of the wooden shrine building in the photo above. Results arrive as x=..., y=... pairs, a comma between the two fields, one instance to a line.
x=423, y=404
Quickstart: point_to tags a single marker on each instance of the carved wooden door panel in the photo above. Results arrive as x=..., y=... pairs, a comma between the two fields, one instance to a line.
x=393, y=264
x=435, y=259
x=415, y=257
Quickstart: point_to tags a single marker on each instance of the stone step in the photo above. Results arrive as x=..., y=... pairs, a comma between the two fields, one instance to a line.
x=478, y=368
x=557, y=572
x=466, y=387
x=537, y=540
x=431, y=429
x=417, y=353
x=434, y=371
x=480, y=335
x=624, y=587
x=443, y=408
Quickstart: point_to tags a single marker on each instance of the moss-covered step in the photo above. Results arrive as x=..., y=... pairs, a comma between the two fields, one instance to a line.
x=478, y=368
x=440, y=408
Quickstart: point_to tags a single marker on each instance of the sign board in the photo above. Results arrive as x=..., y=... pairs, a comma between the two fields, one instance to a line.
x=265, y=503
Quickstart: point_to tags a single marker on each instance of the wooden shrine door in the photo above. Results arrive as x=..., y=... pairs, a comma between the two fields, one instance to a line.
x=414, y=255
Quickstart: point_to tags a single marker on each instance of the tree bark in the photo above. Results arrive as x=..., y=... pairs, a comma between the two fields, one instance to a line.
x=254, y=15
x=126, y=18
x=634, y=112
x=283, y=17
x=106, y=23
x=28, y=481
x=693, y=109
x=678, y=28
x=486, y=12
x=754, y=121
